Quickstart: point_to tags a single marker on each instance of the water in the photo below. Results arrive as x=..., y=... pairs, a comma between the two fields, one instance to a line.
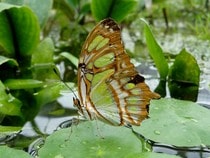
x=184, y=152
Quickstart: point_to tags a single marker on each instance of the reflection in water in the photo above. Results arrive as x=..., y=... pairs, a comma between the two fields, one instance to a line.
x=35, y=146
x=184, y=152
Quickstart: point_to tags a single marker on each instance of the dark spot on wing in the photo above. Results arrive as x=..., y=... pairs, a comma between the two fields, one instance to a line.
x=111, y=24
x=137, y=79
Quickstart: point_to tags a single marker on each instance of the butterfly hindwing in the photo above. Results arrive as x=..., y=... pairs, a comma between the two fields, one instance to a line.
x=109, y=86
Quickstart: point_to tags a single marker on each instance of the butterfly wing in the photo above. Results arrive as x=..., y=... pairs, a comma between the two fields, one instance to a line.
x=109, y=87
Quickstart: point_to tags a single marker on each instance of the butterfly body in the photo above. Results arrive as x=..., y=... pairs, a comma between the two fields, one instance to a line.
x=109, y=87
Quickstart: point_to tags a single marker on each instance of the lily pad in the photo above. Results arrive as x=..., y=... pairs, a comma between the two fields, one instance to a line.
x=11, y=153
x=91, y=139
x=176, y=122
x=96, y=139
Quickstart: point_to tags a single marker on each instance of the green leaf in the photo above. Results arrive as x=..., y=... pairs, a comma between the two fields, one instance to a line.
x=91, y=139
x=6, y=42
x=8, y=132
x=10, y=61
x=9, y=104
x=20, y=29
x=184, y=77
x=70, y=57
x=50, y=93
x=161, y=88
x=177, y=122
x=116, y=9
x=11, y=153
x=43, y=53
x=23, y=83
x=9, y=129
x=40, y=8
x=6, y=39
x=25, y=33
x=156, y=52
x=8, y=67
x=157, y=55
x=42, y=62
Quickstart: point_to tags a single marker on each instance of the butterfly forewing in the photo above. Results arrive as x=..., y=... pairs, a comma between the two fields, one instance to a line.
x=110, y=88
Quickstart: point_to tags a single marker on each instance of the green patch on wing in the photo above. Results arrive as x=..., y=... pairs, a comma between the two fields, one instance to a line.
x=100, y=94
x=97, y=43
x=100, y=77
x=104, y=60
x=102, y=43
x=89, y=77
x=133, y=100
x=129, y=86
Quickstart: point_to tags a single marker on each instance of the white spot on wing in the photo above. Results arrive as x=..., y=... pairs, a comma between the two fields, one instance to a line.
x=111, y=30
x=106, y=26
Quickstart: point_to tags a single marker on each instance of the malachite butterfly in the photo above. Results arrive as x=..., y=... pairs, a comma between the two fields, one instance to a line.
x=109, y=87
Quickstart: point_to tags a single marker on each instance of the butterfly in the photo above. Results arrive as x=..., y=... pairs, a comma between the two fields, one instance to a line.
x=109, y=87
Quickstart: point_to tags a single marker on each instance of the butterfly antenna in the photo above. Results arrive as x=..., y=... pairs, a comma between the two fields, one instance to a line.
x=56, y=72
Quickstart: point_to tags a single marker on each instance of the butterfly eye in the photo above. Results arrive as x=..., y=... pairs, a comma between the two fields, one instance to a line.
x=82, y=65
